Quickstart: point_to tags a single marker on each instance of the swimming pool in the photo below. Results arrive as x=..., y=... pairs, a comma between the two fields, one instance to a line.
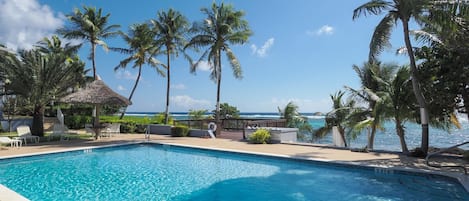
x=162, y=172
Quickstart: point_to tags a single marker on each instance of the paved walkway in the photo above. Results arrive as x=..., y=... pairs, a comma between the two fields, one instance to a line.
x=322, y=153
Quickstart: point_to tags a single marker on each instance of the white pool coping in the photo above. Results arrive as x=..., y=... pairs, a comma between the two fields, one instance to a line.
x=7, y=194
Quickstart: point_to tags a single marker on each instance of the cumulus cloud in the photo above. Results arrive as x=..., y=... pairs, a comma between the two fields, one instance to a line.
x=25, y=22
x=204, y=66
x=126, y=75
x=324, y=30
x=178, y=86
x=262, y=51
x=121, y=88
x=188, y=102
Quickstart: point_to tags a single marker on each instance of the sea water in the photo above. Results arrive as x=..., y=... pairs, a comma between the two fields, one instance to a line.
x=386, y=139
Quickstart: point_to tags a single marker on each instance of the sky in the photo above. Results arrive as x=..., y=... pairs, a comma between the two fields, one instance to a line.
x=301, y=51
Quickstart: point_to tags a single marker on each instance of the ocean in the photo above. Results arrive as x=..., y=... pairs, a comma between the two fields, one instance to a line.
x=385, y=139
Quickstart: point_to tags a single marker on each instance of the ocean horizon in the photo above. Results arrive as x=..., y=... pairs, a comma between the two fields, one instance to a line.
x=385, y=139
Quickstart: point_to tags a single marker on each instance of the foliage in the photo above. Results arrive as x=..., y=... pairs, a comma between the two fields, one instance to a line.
x=295, y=120
x=160, y=119
x=179, y=131
x=170, y=28
x=227, y=111
x=77, y=121
x=260, y=136
x=142, y=50
x=222, y=27
x=197, y=114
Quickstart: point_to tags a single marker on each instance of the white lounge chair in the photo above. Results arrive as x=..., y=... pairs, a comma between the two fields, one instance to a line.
x=59, y=131
x=13, y=143
x=24, y=133
x=111, y=129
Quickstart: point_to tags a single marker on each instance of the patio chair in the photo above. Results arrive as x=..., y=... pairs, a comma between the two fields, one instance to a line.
x=111, y=129
x=89, y=129
x=15, y=143
x=59, y=131
x=24, y=133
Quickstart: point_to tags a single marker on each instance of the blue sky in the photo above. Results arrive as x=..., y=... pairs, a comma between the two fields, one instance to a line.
x=301, y=51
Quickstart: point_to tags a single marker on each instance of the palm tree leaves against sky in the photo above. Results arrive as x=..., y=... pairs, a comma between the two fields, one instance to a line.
x=295, y=120
x=223, y=27
x=170, y=28
x=142, y=50
x=403, y=11
x=90, y=25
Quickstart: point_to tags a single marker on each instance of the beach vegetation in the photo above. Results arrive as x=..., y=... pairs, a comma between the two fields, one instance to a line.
x=260, y=136
x=179, y=131
x=170, y=28
x=40, y=77
x=395, y=11
x=197, y=114
x=223, y=26
x=92, y=26
x=295, y=120
x=227, y=111
x=142, y=50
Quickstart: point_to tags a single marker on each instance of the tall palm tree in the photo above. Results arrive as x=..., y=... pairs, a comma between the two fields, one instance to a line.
x=223, y=27
x=295, y=120
x=170, y=28
x=39, y=77
x=142, y=50
x=90, y=25
x=403, y=11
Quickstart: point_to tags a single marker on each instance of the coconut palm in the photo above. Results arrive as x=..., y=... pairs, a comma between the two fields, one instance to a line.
x=90, y=25
x=142, y=50
x=295, y=120
x=170, y=28
x=40, y=77
x=403, y=11
x=223, y=27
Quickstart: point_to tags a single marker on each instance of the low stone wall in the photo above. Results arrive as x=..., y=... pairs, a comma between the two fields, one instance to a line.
x=277, y=134
x=159, y=129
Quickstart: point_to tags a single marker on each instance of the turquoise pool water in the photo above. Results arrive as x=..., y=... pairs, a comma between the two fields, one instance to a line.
x=161, y=172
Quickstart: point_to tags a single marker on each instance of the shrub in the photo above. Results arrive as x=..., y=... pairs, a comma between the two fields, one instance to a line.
x=77, y=121
x=260, y=136
x=128, y=127
x=179, y=131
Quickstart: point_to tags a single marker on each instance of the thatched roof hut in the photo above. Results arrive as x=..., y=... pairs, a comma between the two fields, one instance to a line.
x=97, y=93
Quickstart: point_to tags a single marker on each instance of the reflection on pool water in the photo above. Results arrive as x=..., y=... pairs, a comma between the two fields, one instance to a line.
x=162, y=172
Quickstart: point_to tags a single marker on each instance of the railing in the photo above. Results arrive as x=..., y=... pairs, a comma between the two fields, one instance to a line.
x=234, y=124
x=445, y=150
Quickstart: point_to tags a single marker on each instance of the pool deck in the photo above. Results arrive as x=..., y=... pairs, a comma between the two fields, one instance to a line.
x=310, y=152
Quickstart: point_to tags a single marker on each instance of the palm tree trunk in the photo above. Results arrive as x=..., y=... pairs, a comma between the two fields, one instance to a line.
x=38, y=121
x=400, y=133
x=342, y=135
x=166, y=113
x=133, y=89
x=217, y=117
x=465, y=97
x=371, y=139
x=416, y=88
x=93, y=51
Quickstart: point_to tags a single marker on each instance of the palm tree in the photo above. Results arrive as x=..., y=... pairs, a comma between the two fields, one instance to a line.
x=344, y=115
x=223, y=27
x=170, y=28
x=403, y=11
x=39, y=77
x=142, y=50
x=295, y=120
x=90, y=26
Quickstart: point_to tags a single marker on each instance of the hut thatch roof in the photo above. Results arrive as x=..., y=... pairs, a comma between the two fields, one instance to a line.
x=97, y=92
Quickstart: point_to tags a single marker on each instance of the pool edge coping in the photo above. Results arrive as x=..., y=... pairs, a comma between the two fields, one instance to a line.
x=463, y=180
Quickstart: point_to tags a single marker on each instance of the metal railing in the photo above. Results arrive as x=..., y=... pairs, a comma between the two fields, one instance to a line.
x=445, y=166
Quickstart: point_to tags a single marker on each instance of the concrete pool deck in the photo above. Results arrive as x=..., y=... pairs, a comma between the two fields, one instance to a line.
x=315, y=152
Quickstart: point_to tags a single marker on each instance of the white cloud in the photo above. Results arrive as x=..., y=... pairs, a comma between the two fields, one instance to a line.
x=204, y=66
x=126, y=75
x=324, y=30
x=188, y=102
x=262, y=51
x=121, y=88
x=25, y=22
x=178, y=86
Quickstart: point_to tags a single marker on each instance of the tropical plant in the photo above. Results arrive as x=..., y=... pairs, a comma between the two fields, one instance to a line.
x=142, y=50
x=227, y=111
x=295, y=120
x=170, y=28
x=223, y=27
x=90, y=25
x=40, y=77
x=197, y=114
x=260, y=136
x=403, y=11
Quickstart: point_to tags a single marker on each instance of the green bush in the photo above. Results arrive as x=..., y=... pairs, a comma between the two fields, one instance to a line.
x=128, y=127
x=179, y=131
x=260, y=136
x=77, y=121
